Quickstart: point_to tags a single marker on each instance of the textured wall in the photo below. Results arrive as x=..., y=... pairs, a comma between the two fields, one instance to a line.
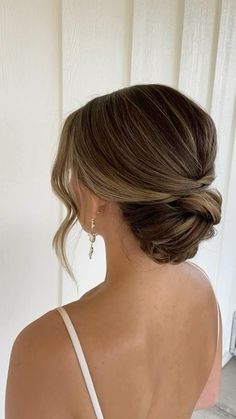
x=56, y=55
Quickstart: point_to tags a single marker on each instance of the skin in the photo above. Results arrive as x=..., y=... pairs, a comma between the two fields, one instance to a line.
x=148, y=332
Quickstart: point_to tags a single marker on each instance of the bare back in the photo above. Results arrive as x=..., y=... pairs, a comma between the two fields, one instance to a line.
x=148, y=357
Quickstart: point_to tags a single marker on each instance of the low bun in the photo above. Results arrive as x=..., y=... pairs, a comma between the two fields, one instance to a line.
x=170, y=232
x=206, y=204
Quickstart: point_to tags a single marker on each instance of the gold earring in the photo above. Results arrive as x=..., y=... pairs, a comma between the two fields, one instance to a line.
x=92, y=236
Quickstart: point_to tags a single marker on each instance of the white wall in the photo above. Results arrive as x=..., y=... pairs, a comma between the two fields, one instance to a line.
x=56, y=55
x=30, y=92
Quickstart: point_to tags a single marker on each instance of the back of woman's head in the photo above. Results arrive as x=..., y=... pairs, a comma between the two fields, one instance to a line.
x=152, y=150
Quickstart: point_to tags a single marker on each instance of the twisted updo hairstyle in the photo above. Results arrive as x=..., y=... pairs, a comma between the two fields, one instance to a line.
x=151, y=149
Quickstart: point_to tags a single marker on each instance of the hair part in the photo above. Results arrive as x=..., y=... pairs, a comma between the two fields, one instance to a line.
x=151, y=149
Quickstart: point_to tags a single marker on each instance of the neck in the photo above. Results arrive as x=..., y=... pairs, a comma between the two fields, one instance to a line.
x=127, y=263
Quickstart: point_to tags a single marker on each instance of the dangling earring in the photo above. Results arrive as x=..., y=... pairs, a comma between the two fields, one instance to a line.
x=92, y=236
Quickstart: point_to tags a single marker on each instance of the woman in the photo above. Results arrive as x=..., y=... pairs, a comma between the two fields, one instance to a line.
x=134, y=166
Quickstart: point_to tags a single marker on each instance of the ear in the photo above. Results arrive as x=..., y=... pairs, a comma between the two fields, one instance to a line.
x=97, y=204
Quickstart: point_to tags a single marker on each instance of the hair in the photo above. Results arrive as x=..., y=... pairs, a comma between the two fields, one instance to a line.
x=150, y=149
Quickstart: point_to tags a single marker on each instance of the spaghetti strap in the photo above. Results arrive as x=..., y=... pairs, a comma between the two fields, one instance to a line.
x=82, y=361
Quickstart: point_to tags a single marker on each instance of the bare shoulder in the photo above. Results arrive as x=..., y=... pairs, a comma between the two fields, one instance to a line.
x=202, y=299
x=200, y=328
x=35, y=339
x=204, y=293
x=36, y=381
x=188, y=340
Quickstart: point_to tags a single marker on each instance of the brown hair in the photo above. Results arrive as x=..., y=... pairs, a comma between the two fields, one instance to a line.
x=152, y=150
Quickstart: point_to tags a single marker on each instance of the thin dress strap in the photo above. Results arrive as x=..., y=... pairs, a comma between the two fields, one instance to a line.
x=82, y=361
